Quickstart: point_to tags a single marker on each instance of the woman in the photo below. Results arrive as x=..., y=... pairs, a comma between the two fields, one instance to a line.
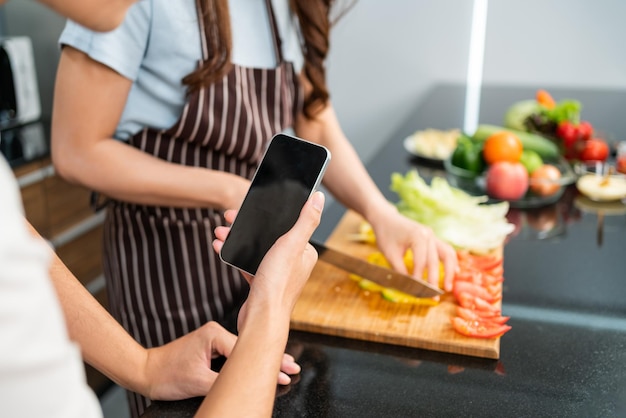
x=171, y=155
x=58, y=313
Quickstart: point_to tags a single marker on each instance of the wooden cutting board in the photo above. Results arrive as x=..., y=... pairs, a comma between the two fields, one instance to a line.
x=332, y=303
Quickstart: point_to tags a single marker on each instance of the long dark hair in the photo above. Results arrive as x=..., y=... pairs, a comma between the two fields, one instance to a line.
x=315, y=23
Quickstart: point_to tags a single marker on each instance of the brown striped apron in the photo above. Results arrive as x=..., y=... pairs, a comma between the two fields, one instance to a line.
x=163, y=277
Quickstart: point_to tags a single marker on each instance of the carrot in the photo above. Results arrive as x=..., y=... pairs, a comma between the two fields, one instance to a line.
x=544, y=98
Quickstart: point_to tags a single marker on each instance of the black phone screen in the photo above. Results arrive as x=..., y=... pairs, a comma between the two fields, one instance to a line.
x=289, y=172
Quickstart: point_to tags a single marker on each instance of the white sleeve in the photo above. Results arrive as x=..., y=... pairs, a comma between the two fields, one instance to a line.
x=41, y=371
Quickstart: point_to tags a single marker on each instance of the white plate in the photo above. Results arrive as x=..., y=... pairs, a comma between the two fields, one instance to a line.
x=591, y=186
x=410, y=145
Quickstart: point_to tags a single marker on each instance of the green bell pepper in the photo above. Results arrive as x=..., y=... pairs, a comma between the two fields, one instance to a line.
x=468, y=155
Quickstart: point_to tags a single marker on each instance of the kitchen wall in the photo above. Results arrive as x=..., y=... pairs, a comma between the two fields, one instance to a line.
x=386, y=55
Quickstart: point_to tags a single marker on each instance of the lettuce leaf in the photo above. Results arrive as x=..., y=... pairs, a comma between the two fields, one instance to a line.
x=460, y=219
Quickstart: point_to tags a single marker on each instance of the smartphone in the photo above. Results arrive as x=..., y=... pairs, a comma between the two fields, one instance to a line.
x=289, y=172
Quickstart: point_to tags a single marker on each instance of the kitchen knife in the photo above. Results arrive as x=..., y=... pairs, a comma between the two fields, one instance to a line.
x=377, y=274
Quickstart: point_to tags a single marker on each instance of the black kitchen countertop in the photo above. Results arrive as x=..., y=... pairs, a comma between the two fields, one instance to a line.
x=565, y=290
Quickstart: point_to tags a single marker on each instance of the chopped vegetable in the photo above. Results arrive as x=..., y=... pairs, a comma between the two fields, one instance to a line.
x=470, y=315
x=393, y=295
x=397, y=296
x=478, y=291
x=454, y=216
x=479, y=329
x=369, y=285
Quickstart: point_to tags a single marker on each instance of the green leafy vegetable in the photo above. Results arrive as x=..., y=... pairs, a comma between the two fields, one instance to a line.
x=454, y=216
x=568, y=110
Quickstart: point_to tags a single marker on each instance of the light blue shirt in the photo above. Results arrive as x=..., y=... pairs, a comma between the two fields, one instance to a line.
x=159, y=43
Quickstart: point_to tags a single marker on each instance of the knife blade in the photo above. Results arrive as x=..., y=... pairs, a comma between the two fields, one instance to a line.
x=377, y=274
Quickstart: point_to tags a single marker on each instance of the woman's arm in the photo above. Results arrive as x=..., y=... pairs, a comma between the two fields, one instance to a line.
x=88, y=103
x=104, y=343
x=102, y=16
x=347, y=179
x=178, y=370
x=245, y=386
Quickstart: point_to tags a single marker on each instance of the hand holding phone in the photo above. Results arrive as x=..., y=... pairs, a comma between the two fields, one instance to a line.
x=289, y=172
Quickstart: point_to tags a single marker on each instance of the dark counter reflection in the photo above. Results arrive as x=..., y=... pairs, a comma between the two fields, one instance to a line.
x=310, y=394
x=546, y=222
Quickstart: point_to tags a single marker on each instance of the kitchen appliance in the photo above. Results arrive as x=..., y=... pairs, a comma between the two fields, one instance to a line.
x=19, y=94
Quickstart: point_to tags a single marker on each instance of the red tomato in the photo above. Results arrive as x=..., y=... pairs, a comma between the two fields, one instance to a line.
x=470, y=315
x=468, y=274
x=476, y=303
x=585, y=130
x=595, y=150
x=478, y=329
x=474, y=290
x=480, y=262
x=497, y=271
x=567, y=132
x=495, y=289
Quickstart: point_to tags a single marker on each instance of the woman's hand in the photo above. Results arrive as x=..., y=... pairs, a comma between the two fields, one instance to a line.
x=283, y=271
x=395, y=234
x=284, y=279
x=182, y=368
x=264, y=324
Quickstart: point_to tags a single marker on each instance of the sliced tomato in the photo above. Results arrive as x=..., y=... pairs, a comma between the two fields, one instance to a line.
x=496, y=271
x=470, y=315
x=475, y=290
x=469, y=275
x=476, y=276
x=481, y=262
x=490, y=277
x=478, y=329
x=495, y=289
x=469, y=301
